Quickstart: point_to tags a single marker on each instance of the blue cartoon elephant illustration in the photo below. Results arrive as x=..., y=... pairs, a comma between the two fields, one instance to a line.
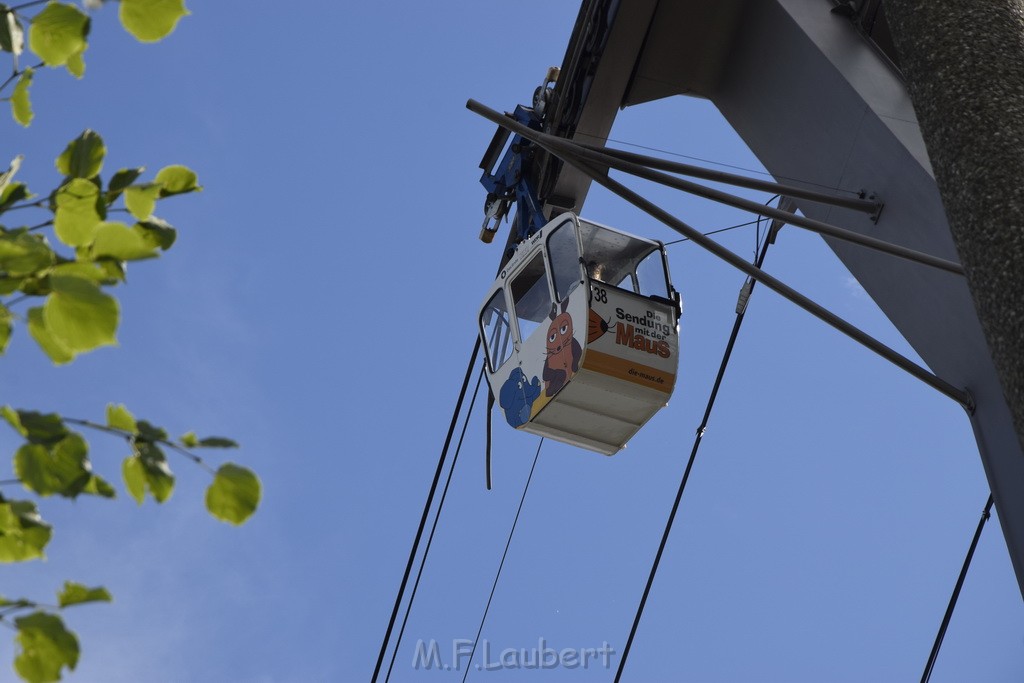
x=517, y=397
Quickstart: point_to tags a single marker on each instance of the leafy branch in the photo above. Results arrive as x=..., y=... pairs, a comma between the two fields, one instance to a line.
x=69, y=260
x=54, y=460
x=46, y=644
x=77, y=315
x=58, y=34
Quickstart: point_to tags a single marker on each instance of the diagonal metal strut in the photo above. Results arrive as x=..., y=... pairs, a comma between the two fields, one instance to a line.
x=868, y=206
x=612, y=161
x=571, y=154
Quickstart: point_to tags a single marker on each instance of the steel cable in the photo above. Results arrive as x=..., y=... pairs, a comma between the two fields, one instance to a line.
x=433, y=528
x=686, y=473
x=426, y=510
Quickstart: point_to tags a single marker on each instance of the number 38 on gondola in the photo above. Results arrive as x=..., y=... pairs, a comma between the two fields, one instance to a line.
x=581, y=334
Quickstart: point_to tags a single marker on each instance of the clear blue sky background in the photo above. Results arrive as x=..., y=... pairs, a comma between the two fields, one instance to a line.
x=319, y=307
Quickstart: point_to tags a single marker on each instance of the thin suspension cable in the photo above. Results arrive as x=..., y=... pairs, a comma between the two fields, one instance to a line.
x=600, y=139
x=426, y=510
x=686, y=473
x=433, y=528
x=713, y=232
x=986, y=513
x=487, y=607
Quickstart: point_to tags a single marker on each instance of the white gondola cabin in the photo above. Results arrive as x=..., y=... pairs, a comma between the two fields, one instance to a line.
x=581, y=334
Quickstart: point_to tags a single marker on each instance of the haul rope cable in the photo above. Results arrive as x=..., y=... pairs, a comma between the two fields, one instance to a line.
x=426, y=510
x=689, y=466
x=501, y=564
x=433, y=528
x=986, y=513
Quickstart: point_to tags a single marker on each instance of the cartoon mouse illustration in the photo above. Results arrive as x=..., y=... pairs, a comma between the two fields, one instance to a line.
x=563, y=352
x=517, y=396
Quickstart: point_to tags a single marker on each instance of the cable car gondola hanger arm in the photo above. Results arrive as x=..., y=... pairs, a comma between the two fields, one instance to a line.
x=507, y=179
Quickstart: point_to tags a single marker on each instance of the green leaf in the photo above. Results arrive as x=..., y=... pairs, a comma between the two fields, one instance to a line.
x=62, y=469
x=45, y=429
x=159, y=479
x=83, y=157
x=76, y=64
x=23, y=533
x=118, y=241
x=76, y=216
x=113, y=269
x=24, y=254
x=9, y=285
x=20, y=602
x=53, y=348
x=58, y=33
x=21, y=105
x=46, y=648
x=217, y=442
x=177, y=180
x=12, y=194
x=12, y=35
x=97, y=486
x=80, y=316
x=38, y=285
x=134, y=478
x=151, y=20
x=8, y=175
x=147, y=470
x=122, y=179
x=151, y=432
x=76, y=594
x=119, y=417
x=141, y=199
x=234, y=494
x=160, y=231
x=189, y=440
x=31, y=466
x=11, y=416
x=92, y=271
x=6, y=327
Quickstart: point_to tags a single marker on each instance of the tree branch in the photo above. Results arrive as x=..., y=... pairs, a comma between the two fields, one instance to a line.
x=28, y=205
x=26, y=5
x=131, y=436
x=17, y=73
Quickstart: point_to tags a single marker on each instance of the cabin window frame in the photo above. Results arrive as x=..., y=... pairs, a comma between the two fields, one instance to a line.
x=508, y=342
x=581, y=275
x=527, y=263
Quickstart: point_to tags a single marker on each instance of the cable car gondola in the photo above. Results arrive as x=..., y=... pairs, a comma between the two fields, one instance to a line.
x=581, y=334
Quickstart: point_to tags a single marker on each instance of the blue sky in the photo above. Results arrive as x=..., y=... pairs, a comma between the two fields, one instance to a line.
x=319, y=307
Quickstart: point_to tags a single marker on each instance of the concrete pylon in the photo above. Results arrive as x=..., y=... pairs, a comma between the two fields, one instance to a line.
x=964, y=65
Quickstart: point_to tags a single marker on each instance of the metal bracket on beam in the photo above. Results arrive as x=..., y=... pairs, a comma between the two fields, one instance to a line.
x=877, y=213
